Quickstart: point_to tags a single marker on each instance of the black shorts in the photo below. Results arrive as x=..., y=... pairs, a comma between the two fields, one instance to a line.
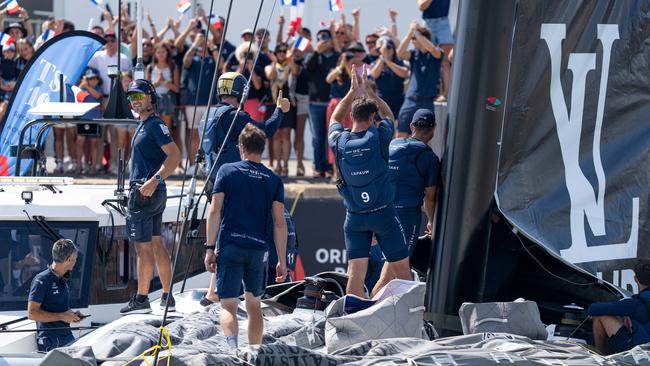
x=620, y=342
x=144, y=216
x=289, y=119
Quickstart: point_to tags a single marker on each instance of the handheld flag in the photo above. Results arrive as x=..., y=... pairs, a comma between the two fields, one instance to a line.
x=97, y=2
x=183, y=6
x=215, y=21
x=285, y=2
x=301, y=43
x=297, y=10
x=13, y=7
x=79, y=94
x=336, y=5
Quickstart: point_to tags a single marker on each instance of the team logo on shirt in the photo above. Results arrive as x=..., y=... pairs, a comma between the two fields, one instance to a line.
x=164, y=129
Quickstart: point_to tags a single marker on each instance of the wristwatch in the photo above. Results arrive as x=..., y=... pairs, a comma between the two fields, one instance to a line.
x=159, y=178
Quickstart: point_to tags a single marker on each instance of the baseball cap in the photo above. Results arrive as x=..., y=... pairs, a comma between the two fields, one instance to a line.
x=424, y=118
x=246, y=31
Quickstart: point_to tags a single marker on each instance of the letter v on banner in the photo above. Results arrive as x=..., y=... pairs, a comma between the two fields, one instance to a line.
x=584, y=202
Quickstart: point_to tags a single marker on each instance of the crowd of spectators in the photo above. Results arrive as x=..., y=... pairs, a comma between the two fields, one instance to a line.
x=409, y=72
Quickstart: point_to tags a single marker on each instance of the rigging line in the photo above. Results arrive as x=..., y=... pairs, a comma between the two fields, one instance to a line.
x=243, y=99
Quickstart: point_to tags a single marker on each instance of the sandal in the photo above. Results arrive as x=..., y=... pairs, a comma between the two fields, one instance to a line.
x=300, y=171
x=284, y=172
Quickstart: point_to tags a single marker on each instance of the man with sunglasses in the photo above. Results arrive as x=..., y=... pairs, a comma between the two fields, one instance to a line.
x=108, y=56
x=154, y=157
x=318, y=65
x=49, y=299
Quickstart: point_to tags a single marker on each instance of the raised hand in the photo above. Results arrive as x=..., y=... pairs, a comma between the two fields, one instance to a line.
x=392, y=13
x=354, y=79
x=283, y=103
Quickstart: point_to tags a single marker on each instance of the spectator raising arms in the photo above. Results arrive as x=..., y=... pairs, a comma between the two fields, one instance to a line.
x=319, y=64
x=299, y=94
x=436, y=16
x=278, y=74
x=425, y=62
x=165, y=76
x=389, y=73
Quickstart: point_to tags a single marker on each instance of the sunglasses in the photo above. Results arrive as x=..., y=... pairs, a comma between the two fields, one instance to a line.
x=324, y=37
x=339, y=33
x=371, y=42
x=147, y=45
x=281, y=51
x=132, y=97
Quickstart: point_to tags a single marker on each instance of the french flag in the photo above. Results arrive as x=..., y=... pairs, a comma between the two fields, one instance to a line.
x=183, y=6
x=6, y=39
x=13, y=7
x=301, y=43
x=297, y=10
x=336, y=5
x=79, y=94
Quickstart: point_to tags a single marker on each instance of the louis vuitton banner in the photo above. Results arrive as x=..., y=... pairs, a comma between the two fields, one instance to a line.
x=574, y=169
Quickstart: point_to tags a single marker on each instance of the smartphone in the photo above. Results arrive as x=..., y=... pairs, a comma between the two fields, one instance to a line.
x=83, y=316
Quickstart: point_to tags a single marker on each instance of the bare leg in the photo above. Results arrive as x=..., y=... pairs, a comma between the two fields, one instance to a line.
x=58, y=143
x=255, y=320
x=228, y=317
x=385, y=277
x=299, y=139
x=70, y=140
x=194, y=145
x=356, y=275
x=145, y=267
x=163, y=262
x=285, y=140
x=605, y=327
x=446, y=69
x=81, y=146
x=211, y=295
x=400, y=269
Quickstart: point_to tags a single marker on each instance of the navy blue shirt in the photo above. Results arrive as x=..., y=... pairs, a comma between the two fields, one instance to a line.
x=425, y=71
x=147, y=155
x=413, y=167
x=216, y=133
x=437, y=9
x=362, y=158
x=249, y=190
x=193, y=76
x=95, y=112
x=389, y=84
x=632, y=307
x=53, y=293
x=339, y=90
x=318, y=66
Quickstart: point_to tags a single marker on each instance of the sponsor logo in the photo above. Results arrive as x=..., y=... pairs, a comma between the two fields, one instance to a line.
x=361, y=172
x=585, y=202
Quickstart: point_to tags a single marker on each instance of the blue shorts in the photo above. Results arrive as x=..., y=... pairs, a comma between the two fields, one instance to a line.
x=440, y=30
x=144, y=215
x=237, y=264
x=410, y=218
x=358, y=229
x=407, y=111
x=52, y=341
x=620, y=342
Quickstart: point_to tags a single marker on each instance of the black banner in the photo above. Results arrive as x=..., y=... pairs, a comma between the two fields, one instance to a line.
x=574, y=165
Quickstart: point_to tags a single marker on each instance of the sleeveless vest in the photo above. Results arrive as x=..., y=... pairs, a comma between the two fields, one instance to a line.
x=365, y=183
x=403, y=156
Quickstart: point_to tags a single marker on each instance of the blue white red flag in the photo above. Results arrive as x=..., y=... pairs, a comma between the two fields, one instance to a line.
x=336, y=5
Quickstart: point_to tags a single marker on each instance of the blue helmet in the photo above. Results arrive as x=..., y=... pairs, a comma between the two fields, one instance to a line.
x=143, y=86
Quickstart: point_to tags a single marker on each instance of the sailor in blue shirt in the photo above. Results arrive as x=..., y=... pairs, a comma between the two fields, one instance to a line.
x=154, y=157
x=247, y=196
x=415, y=171
x=231, y=89
x=362, y=157
x=49, y=299
x=425, y=62
x=619, y=326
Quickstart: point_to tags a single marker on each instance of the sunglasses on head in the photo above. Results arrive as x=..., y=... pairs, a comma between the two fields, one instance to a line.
x=132, y=97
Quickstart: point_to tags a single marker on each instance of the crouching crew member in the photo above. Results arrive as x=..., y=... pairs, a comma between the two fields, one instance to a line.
x=415, y=170
x=362, y=157
x=621, y=325
x=154, y=156
x=49, y=299
x=230, y=87
x=250, y=196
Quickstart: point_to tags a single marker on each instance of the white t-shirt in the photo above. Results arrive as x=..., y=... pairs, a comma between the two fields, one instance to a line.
x=101, y=60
